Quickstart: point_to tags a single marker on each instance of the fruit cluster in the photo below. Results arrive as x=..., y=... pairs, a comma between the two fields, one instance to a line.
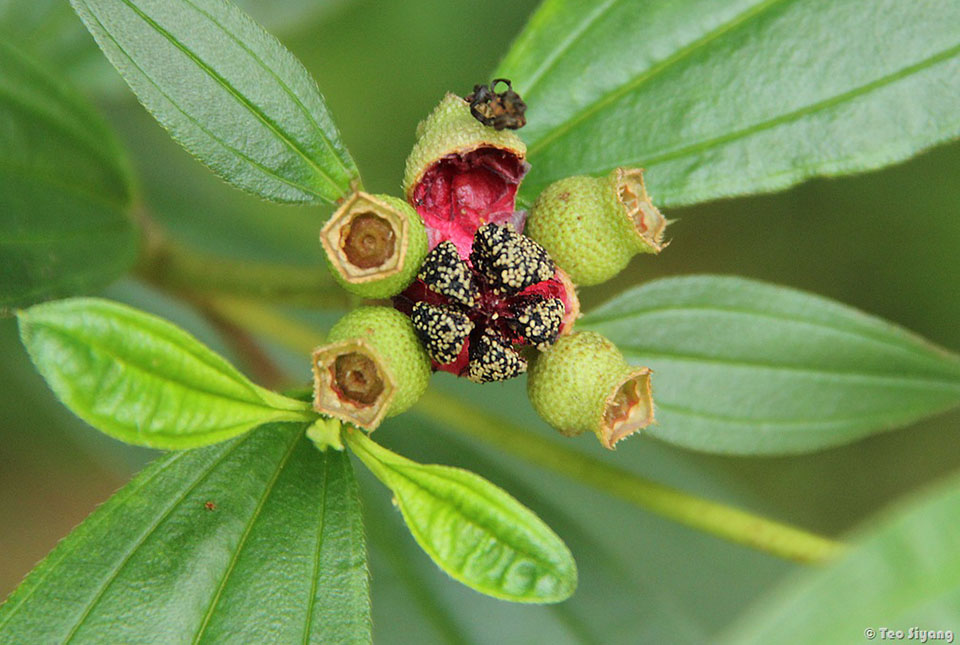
x=480, y=289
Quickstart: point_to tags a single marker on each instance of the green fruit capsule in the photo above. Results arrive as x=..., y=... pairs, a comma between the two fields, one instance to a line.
x=374, y=244
x=593, y=226
x=372, y=367
x=582, y=383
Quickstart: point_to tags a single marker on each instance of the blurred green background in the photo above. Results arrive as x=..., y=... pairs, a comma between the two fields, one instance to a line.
x=884, y=242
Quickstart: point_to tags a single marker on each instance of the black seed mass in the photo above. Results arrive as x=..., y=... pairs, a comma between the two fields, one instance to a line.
x=444, y=272
x=493, y=359
x=471, y=313
x=442, y=330
x=510, y=261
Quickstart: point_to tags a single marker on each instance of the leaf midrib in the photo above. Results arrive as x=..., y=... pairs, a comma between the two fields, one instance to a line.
x=96, y=231
x=550, y=61
x=118, y=358
x=273, y=127
x=286, y=88
x=911, y=381
x=237, y=153
x=54, y=122
x=246, y=534
x=549, y=565
x=146, y=535
x=651, y=72
x=69, y=187
x=900, y=339
x=803, y=425
x=321, y=521
x=806, y=110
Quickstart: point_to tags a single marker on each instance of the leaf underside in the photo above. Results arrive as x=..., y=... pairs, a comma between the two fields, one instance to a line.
x=228, y=92
x=750, y=368
x=727, y=98
x=256, y=540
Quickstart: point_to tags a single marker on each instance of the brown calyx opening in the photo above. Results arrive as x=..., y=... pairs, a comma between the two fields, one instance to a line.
x=351, y=383
x=628, y=409
x=368, y=241
x=357, y=378
x=648, y=221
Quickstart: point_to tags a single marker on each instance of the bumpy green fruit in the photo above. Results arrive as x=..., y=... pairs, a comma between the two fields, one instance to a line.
x=372, y=367
x=582, y=383
x=374, y=245
x=593, y=226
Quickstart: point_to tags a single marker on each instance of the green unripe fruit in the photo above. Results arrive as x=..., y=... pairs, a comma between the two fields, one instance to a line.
x=582, y=383
x=593, y=226
x=372, y=367
x=374, y=245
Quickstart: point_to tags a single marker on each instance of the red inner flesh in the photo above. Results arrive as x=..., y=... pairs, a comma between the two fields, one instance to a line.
x=460, y=193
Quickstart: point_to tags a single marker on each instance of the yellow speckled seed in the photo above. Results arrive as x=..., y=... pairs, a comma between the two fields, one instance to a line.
x=593, y=226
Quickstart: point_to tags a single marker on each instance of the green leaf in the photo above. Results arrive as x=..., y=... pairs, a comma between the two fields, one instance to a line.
x=728, y=98
x=750, y=368
x=228, y=92
x=257, y=540
x=51, y=31
x=143, y=380
x=64, y=190
x=903, y=575
x=473, y=530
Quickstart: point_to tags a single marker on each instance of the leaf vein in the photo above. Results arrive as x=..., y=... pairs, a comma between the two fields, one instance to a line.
x=240, y=155
x=286, y=88
x=815, y=371
x=246, y=534
x=550, y=61
x=805, y=110
x=70, y=546
x=311, y=601
x=904, y=341
x=145, y=536
x=605, y=99
x=273, y=127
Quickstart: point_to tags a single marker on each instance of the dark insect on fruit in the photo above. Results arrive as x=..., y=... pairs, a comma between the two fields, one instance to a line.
x=497, y=109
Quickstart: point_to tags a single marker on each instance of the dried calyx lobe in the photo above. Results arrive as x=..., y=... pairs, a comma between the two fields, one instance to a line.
x=470, y=314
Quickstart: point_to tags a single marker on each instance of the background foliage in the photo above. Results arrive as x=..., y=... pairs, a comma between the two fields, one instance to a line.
x=883, y=242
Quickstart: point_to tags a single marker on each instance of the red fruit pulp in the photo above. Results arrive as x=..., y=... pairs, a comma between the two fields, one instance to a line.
x=461, y=193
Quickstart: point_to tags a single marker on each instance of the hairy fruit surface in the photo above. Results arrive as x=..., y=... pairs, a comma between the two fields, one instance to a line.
x=373, y=366
x=374, y=244
x=593, y=226
x=583, y=384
